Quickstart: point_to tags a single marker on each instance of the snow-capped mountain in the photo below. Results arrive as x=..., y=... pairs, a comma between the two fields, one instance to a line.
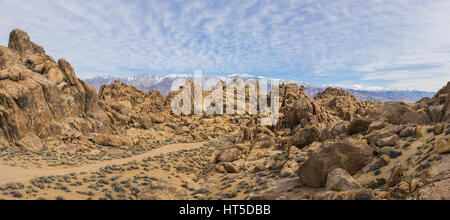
x=168, y=83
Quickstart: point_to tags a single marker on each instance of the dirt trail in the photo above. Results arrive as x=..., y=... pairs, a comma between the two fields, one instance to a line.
x=10, y=174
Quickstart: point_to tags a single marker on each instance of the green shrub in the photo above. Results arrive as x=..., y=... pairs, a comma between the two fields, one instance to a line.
x=375, y=184
x=337, y=188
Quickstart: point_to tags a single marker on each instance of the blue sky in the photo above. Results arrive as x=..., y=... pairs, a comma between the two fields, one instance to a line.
x=401, y=44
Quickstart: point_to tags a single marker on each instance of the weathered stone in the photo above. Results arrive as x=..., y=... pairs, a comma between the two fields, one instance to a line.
x=376, y=125
x=389, y=141
x=439, y=129
x=409, y=131
x=228, y=155
x=289, y=168
x=30, y=142
x=443, y=146
x=306, y=136
x=111, y=140
x=348, y=155
x=434, y=191
x=225, y=167
x=19, y=41
x=397, y=175
x=339, y=178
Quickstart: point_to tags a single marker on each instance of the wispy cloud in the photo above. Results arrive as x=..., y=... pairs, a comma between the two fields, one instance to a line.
x=403, y=44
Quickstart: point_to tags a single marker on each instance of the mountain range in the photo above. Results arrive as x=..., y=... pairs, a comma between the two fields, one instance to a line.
x=168, y=83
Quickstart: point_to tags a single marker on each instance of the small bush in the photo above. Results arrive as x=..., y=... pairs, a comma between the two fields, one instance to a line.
x=337, y=188
x=358, y=126
x=375, y=184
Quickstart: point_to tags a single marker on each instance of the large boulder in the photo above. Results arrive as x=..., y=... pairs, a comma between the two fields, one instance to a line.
x=342, y=180
x=348, y=155
x=30, y=143
x=228, y=155
x=306, y=136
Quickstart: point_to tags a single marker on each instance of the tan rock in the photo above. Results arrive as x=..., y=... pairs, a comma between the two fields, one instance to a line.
x=229, y=167
x=415, y=184
x=420, y=131
x=306, y=136
x=68, y=71
x=436, y=113
x=409, y=131
x=401, y=190
x=293, y=151
x=443, y=146
x=259, y=168
x=38, y=98
x=439, y=129
x=289, y=168
x=376, y=125
x=435, y=191
x=65, y=148
x=397, y=175
x=348, y=155
x=228, y=155
x=339, y=178
x=19, y=41
x=220, y=168
x=30, y=142
x=389, y=141
x=420, y=117
x=111, y=140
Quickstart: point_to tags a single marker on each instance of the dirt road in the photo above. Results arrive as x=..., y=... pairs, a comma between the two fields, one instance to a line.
x=10, y=174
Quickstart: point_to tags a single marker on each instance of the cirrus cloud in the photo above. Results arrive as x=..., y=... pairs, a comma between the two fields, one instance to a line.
x=393, y=44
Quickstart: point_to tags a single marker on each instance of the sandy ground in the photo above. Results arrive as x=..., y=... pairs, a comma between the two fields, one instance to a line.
x=18, y=174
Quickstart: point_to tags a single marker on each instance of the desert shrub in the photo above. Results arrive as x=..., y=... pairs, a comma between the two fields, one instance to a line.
x=375, y=184
x=337, y=188
x=358, y=126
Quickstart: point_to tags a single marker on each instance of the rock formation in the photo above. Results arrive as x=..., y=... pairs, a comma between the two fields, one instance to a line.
x=42, y=97
x=330, y=147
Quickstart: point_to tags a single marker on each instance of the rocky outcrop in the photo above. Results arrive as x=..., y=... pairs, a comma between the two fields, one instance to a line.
x=344, y=104
x=439, y=105
x=20, y=42
x=130, y=107
x=348, y=155
x=42, y=97
x=305, y=111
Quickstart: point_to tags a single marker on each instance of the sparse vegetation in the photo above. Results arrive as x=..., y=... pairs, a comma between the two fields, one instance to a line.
x=337, y=188
x=376, y=184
